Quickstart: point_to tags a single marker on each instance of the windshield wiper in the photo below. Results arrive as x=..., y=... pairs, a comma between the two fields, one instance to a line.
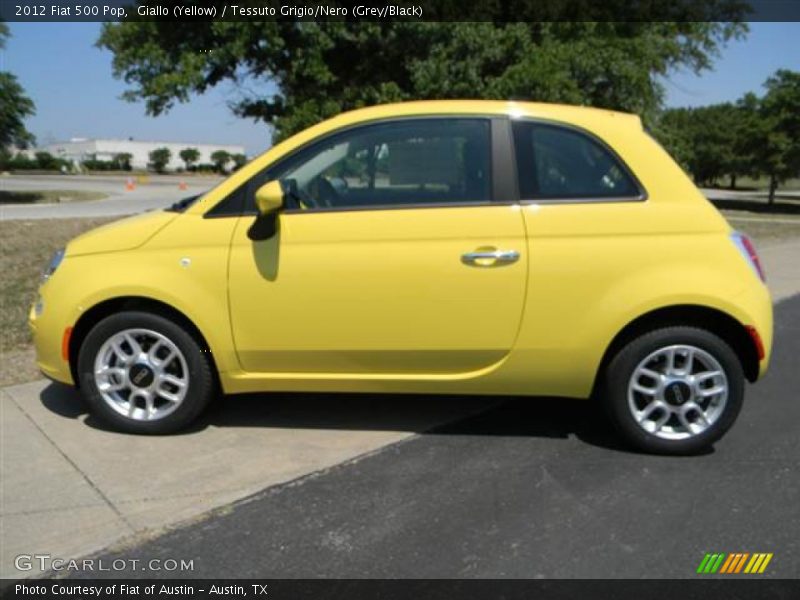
x=182, y=205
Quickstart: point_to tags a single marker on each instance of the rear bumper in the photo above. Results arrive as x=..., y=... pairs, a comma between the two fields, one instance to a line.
x=756, y=306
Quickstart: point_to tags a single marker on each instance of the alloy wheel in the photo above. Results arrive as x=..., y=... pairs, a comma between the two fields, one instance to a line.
x=141, y=374
x=677, y=392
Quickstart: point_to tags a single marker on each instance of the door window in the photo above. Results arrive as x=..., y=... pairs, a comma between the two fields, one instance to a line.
x=412, y=162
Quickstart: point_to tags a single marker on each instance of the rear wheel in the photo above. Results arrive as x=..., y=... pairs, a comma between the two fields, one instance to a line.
x=142, y=373
x=675, y=390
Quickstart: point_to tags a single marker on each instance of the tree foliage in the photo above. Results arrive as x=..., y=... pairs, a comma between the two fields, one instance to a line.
x=189, y=156
x=779, y=155
x=123, y=160
x=46, y=160
x=220, y=158
x=239, y=160
x=703, y=139
x=40, y=161
x=753, y=137
x=159, y=159
x=291, y=75
x=15, y=107
x=119, y=162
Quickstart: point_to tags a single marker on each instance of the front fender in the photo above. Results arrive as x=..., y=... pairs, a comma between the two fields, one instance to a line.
x=197, y=290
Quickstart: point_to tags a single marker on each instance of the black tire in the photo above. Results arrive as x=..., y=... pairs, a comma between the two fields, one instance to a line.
x=201, y=382
x=613, y=389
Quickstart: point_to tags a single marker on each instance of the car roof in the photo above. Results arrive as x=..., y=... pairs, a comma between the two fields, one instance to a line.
x=582, y=115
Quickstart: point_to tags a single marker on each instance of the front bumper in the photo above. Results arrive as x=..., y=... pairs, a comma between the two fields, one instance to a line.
x=49, y=332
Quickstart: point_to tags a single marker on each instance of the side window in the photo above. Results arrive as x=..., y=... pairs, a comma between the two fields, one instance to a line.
x=417, y=161
x=556, y=162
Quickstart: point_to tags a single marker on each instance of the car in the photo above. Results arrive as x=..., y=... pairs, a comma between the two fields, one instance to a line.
x=435, y=247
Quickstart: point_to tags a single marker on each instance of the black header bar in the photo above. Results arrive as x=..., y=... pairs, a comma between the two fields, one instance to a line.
x=400, y=10
x=731, y=588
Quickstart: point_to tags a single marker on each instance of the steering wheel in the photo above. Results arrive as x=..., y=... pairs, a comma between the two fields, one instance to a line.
x=328, y=195
x=303, y=198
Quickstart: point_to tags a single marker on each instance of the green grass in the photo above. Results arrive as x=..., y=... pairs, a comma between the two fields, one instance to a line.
x=47, y=196
x=27, y=246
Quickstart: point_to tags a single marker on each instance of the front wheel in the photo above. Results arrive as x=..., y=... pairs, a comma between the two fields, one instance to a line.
x=675, y=390
x=142, y=373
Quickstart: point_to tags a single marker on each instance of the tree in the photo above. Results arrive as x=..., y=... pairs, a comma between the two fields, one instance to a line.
x=720, y=140
x=703, y=139
x=779, y=156
x=159, y=159
x=715, y=129
x=749, y=132
x=189, y=156
x=123, y=160
x=753, y=137
x=220, y=158
x=92, y=163
x=673, y=128
x=15, y=106
x=239, y=160
x=308, y=71
x=46, y=160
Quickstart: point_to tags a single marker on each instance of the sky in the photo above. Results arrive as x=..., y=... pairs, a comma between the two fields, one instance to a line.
x=71, y=83
x=76, y=95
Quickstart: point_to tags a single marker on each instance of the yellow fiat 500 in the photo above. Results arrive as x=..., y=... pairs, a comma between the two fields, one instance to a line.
x=459, y=247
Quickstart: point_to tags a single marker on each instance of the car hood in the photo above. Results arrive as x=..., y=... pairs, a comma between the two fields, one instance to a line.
x=125, y=234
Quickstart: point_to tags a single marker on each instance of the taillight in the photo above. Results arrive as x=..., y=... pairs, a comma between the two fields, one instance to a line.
x=747, y=249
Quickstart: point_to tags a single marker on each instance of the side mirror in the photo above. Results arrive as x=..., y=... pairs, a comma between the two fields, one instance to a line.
x=269, y=200
x=269, y=197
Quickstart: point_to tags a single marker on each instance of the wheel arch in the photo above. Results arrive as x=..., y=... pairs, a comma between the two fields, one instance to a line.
x=713, y=320
x=101, y=310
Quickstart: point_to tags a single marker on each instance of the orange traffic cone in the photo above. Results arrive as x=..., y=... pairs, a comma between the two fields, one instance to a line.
x=130, y=186
x=182, y=185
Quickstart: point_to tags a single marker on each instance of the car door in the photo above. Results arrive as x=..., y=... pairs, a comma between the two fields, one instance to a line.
x=396, y=254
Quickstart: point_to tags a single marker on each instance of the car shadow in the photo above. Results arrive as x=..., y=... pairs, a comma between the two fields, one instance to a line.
x=537, y=417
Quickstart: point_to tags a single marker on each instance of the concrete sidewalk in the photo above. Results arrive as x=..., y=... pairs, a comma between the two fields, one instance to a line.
x=69, y=487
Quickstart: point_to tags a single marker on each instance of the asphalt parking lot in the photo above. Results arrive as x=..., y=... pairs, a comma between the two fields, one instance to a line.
x=530, y=488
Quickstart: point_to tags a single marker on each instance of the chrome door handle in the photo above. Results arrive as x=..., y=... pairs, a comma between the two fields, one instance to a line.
x=490, y=258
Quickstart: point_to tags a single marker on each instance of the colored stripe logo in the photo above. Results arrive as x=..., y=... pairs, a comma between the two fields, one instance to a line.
x=734, y=563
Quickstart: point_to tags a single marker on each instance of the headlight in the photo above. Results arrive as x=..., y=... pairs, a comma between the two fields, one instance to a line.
x=54, y=262
x=38, y=308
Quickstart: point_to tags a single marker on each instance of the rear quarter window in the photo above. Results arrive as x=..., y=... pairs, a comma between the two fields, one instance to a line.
x=560, y=163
